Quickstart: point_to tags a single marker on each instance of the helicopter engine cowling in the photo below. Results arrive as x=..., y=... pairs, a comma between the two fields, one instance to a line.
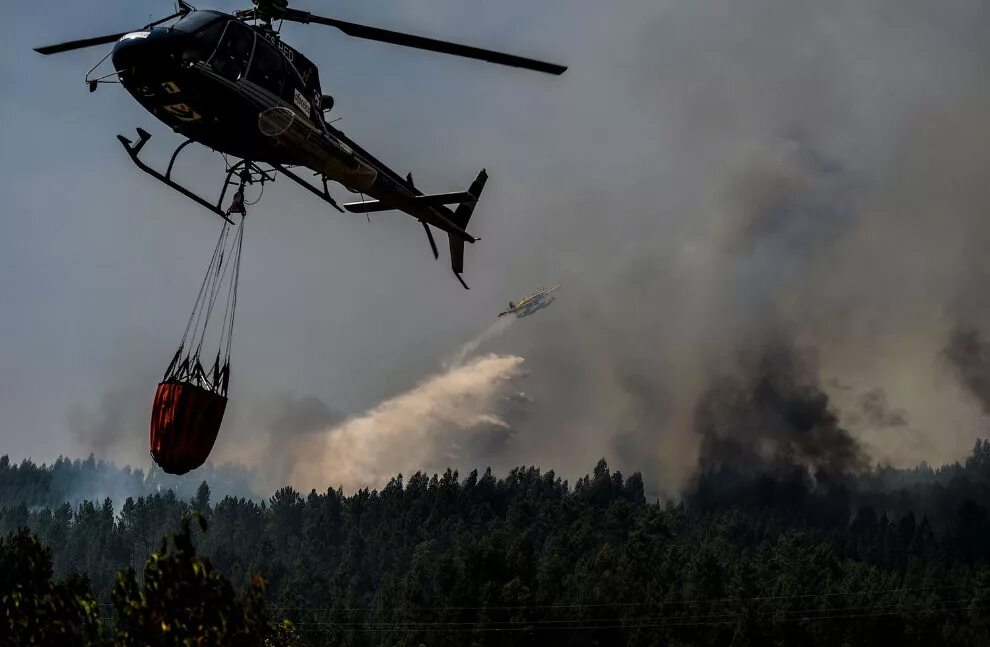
x=317, y=150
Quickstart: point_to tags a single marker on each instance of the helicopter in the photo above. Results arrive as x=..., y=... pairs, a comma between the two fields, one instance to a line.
x=230, y=83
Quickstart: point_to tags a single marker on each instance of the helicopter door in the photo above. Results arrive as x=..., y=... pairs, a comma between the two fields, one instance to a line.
x=267, y=68
x=234, y=52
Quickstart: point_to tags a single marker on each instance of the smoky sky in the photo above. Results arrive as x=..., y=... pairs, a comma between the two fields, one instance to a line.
x=709, y=181
x=301, y=415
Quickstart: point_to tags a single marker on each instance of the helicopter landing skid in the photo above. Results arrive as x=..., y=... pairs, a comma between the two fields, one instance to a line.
x=323, y=195
x=247, y=172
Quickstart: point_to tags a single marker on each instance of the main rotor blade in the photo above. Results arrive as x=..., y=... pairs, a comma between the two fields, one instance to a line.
x=68, y=46
x=79, y=44
x=420, y=42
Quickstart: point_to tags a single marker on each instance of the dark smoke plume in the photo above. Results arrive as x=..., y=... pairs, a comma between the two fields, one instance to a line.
x=875, y=411
x=773, y=417
x=116, y=427
x=969, y=354
x=770, y=438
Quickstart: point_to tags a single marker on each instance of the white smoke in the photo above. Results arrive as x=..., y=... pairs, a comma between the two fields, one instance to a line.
x=424, y=428
x=470, y=348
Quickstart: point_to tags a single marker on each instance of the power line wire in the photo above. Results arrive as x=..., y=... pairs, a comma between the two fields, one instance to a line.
x=861, y=608
x=447, y=629
x=636, y=604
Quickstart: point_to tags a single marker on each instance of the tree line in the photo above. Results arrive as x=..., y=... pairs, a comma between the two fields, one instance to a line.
x=789, y=558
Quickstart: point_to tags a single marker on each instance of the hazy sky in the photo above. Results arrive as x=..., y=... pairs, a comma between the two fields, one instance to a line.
x=706, y=178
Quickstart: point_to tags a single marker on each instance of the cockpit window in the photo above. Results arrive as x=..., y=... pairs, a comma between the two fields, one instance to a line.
x=197, y=21
x=267, y=69
x=206, y=26
x=234, y=52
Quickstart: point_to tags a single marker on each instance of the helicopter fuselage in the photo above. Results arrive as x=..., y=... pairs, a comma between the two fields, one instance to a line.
x=240, y=90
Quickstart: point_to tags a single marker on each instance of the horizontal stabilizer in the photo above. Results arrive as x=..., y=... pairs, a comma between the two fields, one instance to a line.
x=368, y=206
x=433, y=199
x=456, y=197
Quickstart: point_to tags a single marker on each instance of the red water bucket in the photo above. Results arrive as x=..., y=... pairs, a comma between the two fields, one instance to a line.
x=185, y=421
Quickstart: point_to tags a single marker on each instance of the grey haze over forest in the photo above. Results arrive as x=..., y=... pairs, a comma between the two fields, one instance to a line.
x=748, y=204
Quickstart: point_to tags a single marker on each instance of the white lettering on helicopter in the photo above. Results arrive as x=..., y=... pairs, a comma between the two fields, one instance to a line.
x=170, y=87
x=282, y=47
x=301, y=102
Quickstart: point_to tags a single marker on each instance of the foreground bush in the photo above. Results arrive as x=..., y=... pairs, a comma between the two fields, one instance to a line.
x=182, y=600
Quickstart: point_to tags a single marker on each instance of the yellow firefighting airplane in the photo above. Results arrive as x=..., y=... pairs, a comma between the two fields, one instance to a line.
x=530, y=303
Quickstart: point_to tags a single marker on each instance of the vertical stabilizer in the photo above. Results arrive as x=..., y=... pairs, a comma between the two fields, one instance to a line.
x=461, y=217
